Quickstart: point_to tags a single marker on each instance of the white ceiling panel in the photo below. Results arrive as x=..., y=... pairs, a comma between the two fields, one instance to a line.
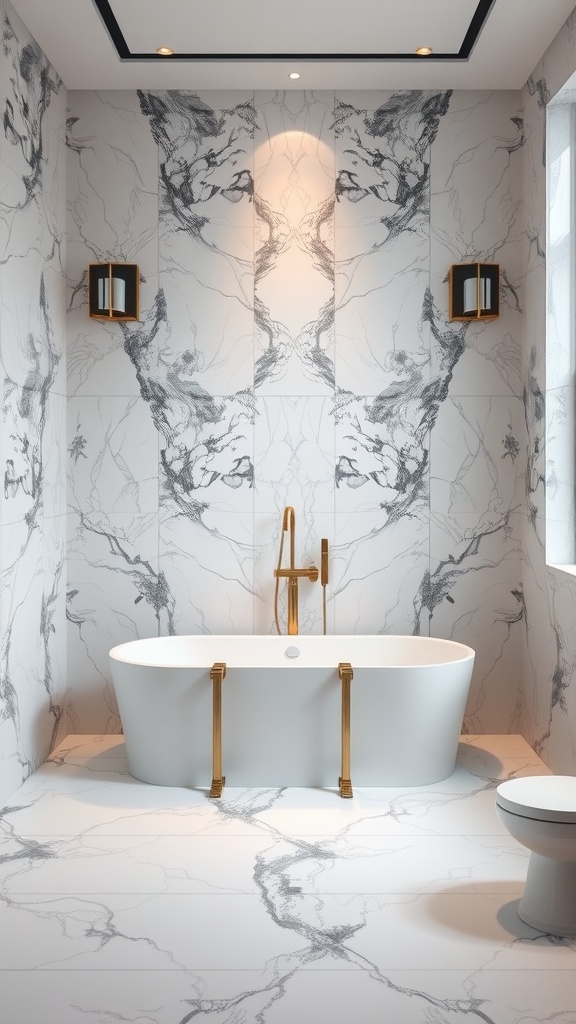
x=272, y=26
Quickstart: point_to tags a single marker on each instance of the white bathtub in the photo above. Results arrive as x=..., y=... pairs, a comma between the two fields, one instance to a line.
x=281, y=714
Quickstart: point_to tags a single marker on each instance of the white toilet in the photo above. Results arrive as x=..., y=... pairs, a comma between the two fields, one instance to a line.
x=540, y=812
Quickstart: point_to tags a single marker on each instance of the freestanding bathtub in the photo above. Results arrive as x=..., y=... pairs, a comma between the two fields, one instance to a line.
x=281, y=708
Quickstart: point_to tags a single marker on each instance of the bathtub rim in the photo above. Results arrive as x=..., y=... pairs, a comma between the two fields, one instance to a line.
x=127, y=652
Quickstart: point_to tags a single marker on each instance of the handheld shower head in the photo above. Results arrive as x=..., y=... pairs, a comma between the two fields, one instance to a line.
x=324, y=561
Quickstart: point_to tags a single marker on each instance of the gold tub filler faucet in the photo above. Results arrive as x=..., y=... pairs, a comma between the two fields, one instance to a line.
x=293, y=575
x=345, y=670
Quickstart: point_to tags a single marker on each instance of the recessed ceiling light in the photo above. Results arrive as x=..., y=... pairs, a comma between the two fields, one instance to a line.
x=164, y=51
x=294, y=74
x=424, y=51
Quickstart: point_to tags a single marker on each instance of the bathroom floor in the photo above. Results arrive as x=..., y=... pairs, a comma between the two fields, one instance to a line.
x=128, y=902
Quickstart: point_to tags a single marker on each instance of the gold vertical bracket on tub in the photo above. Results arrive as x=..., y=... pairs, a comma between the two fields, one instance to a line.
x=346, y=675
x=217, y=674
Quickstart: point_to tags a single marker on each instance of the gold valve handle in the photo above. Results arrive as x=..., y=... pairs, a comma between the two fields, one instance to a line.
x=297, y=574
x=324, y=561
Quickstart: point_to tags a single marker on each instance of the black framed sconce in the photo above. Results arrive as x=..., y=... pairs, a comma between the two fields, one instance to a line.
x=474, y=291
x=113, y=290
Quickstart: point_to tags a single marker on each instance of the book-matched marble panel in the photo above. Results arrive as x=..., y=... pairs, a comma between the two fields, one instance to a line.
x=294, y=244
x=293, y=349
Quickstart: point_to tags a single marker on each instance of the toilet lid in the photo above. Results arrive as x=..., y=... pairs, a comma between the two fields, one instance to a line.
x=543, y=797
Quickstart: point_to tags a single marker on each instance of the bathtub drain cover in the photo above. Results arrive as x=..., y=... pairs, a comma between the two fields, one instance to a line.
x=292, y=652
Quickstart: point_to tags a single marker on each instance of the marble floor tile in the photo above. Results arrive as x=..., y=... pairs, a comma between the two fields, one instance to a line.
x=461, y=805
x=121, y=901
x=202, y=864
x=143, y=932
x=282, y=995
x=91, y=864
x=403, y=864
x=71, y=799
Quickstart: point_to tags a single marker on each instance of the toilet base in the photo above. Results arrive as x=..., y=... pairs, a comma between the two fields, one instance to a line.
x=549, y=900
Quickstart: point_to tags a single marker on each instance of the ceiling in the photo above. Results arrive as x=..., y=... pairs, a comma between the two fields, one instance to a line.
x=255, y=44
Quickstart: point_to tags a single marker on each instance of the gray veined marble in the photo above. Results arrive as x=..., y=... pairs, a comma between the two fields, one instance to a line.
x=120, y=900
x=345, y=393
x=294, y=242
x=294, y=348
x=32, y=438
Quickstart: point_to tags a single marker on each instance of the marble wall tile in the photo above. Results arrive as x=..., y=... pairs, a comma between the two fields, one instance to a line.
x=382, y=449
x=294, y=454
x=379, y=568
x=474, y=595
x=382, y=150
x=113, y=455
x=32, y=383
x=557, y=64
x=56, y=682
x=206, y=244
x=294, y=244
x=112, y=175
x=550, y=704
x=207, y=568
x=559, y=747
x=32, y=646
x=209, y=462
x=54, y=456
x=115, y=592
x=379, y=339
x=539, y=654
x=477, y=455
x=475, y=215
x=20, y=651
x=473, y=168
x=123, y=546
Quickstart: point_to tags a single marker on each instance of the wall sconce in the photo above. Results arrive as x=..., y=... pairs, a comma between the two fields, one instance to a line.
x=474, y=291
x=113, y=291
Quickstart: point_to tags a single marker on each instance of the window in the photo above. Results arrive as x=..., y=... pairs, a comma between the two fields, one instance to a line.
x=560, y=334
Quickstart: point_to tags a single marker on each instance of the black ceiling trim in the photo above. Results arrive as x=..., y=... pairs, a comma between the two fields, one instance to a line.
x=479, y=19
x=477, y=23
x=105, y=11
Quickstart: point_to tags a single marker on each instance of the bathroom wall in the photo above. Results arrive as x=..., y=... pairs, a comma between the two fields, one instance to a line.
x=549, y=718
x=294, y=348
x=33, y=384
